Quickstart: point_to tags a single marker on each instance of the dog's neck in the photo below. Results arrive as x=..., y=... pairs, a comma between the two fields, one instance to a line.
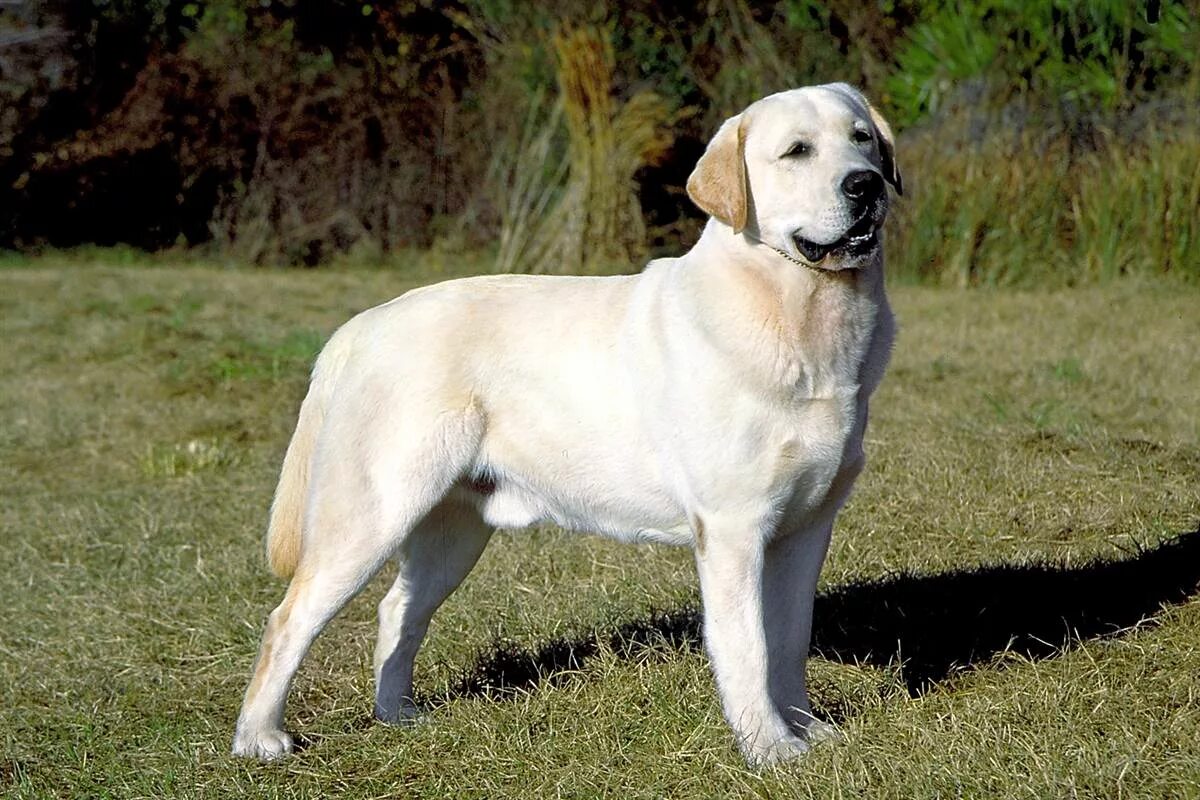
x=820, y=323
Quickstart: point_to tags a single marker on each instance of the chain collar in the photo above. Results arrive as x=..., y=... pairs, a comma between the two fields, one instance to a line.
x=803, y=262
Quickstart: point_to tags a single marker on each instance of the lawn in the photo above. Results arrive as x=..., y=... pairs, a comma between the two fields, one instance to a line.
x=1005, y=611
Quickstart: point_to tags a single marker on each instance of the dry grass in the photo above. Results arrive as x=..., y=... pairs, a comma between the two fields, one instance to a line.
x=1015, y=199
x=143, y=413
x=580, y=213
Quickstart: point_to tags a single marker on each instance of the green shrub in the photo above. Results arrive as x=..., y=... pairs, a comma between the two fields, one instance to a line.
x=1087, y=53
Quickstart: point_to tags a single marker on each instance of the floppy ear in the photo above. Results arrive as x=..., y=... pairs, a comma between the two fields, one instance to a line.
x=887, y=142
x=718, y=183
x=887, y=149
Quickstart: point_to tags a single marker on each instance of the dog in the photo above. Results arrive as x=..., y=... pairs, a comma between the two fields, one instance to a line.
x=717, y=400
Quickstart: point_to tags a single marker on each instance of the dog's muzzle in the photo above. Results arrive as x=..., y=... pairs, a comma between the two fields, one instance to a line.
x=866, y=195
x=862, y=238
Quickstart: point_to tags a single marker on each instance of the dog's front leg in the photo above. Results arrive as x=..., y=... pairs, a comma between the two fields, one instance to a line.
x=792, y=563
x=729, y=559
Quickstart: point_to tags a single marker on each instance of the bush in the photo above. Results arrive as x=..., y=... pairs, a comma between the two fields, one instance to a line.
x=292, y=131
x=1106, y=54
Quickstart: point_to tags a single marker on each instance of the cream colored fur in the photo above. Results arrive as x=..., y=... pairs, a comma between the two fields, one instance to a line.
x=717, y=400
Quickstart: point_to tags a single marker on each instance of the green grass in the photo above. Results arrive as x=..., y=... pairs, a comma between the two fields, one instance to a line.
x=143, y=415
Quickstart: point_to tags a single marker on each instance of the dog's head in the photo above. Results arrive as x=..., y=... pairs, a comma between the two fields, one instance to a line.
x=803, y=171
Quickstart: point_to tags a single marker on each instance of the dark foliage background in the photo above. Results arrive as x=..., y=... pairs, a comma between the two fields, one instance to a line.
x=281, y=131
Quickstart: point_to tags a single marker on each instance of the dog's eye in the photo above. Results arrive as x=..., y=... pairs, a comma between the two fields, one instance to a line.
x=861, y=136
x=798, y=149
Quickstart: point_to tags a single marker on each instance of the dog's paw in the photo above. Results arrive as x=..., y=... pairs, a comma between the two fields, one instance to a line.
x=817, y=732
x=265, y=745
x=784, y=748
x=403, y=714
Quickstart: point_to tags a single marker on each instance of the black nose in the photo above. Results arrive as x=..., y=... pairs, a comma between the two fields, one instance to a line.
x=863, y=187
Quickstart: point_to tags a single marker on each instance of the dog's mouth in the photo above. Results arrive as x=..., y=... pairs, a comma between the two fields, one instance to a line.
x=860, y=239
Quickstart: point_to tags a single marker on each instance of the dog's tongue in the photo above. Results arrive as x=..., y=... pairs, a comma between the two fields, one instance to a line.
x=811, y=250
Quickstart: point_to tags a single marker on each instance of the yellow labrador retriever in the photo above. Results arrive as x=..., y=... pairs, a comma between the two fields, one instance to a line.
x=717, y=400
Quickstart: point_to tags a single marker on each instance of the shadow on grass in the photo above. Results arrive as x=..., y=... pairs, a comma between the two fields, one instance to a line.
x=933, y=624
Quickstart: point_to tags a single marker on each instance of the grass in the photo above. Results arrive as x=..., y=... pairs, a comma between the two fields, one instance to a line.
x=990, y=618
x=1038, y=205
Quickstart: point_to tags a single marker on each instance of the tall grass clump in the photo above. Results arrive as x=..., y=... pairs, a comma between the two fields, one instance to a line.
x=527, y=177
x=994, y=203
x=1137, y=208
x=577, y=210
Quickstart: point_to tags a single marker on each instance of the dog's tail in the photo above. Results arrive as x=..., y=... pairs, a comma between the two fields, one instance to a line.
x=285, y=530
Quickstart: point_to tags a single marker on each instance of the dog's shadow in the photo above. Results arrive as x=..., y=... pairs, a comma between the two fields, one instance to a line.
x=932, y=625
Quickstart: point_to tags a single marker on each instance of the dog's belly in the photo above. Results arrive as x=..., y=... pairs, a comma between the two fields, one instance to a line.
x=792, y=464
x=510, y=505
x=587, y=487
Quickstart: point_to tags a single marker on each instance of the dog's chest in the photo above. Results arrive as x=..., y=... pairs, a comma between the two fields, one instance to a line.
x=826, y=436
x=813, y=396
x=823, y=343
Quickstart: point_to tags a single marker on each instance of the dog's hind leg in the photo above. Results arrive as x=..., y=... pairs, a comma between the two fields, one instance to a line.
x=322, y=585
x=368, y=493
x=433, y=561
